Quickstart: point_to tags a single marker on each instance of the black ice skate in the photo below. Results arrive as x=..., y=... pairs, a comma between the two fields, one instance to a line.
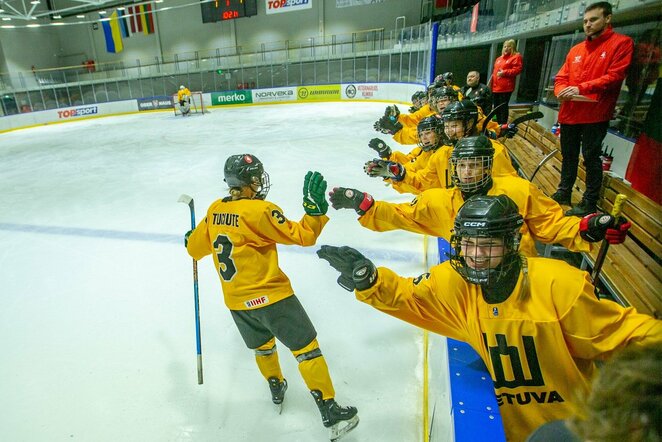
x=339, y=420
x=278, y=390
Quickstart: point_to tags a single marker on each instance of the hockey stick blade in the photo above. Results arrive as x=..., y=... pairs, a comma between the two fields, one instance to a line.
x=185, y=199
x=527, y=117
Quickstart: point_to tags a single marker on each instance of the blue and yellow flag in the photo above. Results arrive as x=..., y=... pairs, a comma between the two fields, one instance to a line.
x=113, y=34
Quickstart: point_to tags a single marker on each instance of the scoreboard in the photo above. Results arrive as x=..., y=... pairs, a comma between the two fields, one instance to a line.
x=218, y=10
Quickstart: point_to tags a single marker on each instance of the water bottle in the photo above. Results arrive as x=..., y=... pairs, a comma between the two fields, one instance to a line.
x=556, y=129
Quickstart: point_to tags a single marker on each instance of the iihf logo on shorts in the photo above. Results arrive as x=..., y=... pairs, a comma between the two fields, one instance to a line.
x=495, y=311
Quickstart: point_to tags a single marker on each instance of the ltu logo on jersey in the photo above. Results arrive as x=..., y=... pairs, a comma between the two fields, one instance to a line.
x=578, y=59
x=495, y=311
x=604, y=54
x=502, y=351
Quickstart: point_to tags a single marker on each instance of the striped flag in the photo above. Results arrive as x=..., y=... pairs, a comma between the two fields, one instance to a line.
x=124, y=26
x=112, y=33
x=141, y=19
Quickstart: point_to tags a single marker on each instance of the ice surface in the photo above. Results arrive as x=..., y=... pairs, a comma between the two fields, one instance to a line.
x=96, y=317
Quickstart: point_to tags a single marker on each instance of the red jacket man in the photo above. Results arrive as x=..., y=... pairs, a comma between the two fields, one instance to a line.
x=594, y=69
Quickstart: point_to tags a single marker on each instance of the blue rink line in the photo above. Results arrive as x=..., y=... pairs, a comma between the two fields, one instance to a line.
x=166, y=238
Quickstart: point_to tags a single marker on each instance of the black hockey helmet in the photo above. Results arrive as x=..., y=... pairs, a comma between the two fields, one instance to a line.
x=433, y=124
x=246, y=170
x=493, y=217
x=442, y=93
x=418, y=95
x=445, y=78
x=472, y=152
x=465, y=111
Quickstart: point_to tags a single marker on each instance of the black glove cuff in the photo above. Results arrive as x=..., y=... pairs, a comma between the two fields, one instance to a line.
x=364, y=274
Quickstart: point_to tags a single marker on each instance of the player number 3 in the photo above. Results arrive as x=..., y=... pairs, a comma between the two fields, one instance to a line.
x=223, y=248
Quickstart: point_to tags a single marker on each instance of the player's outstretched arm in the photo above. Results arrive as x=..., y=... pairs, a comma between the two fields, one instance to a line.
x=384, y=169
x=346, y=198
x=356, y=271
x=314, y=198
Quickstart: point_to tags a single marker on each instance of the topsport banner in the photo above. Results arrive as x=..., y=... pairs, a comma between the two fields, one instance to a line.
x=278, y=6
x=318, y=93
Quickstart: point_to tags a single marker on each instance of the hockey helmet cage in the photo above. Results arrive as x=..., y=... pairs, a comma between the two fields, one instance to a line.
x=434, y=124
x=247, y=170
x=488, y=216
x=472, y=152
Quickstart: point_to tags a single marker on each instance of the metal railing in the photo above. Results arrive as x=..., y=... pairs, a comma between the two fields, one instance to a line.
x=366, y=56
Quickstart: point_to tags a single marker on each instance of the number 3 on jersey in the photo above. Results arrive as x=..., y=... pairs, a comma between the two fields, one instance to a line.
x=223, y=248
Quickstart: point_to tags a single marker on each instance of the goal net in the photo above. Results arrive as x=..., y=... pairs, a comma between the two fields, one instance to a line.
x=197, y=106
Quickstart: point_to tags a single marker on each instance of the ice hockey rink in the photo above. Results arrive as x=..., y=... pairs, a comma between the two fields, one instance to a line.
x=97, y=326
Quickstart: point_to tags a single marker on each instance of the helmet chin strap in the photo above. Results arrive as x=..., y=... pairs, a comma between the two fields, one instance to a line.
x=500, y=290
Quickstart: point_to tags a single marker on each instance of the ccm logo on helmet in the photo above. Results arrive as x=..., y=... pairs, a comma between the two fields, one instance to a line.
x=474, y=224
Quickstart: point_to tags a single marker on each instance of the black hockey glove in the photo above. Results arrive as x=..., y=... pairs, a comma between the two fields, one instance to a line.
x=356, y=271
x=186, y=235
x=384, y=169
x=386, y=125
x=392, y=111
x=508, y=130
x=380, y=147
x=598, y=226
x=345, y=198
x=314, y=198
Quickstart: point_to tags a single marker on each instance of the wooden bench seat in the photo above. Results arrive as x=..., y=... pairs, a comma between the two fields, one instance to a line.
x=632, y=271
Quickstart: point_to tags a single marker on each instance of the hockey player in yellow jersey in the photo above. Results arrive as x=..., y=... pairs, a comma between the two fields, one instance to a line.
x=535, y=322
x=241, y=231
x=434, y=210
x=404, y=127
x=460, y=119
x=431, y=137
x=184, y=100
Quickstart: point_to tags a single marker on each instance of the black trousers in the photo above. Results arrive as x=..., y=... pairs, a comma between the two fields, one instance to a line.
x=502, y=112
x=587, y=138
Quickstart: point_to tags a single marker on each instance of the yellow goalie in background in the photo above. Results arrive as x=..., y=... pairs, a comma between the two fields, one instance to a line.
x=184, y=99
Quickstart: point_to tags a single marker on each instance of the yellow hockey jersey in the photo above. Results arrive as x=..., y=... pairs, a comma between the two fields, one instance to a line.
x=437, y=170
x=539, y=351
x=405, y=158
x=433, y=213
x=409, y=132
x=183, y=92
x=242, y=236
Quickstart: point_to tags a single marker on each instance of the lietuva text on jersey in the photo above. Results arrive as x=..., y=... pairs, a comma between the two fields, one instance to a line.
x=226, y=219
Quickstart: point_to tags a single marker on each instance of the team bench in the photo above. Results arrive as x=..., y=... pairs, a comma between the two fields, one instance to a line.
x=632, y=271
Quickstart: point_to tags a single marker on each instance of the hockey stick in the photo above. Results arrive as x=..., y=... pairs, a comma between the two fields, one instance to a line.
x=488, y=118
x=198, y=342
x=526, y=117
x=602, y=253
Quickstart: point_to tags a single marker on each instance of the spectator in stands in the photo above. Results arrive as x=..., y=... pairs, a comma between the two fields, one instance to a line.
x=593, y=70
x=506, y=69
x=478, y=92
x=539, y=347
